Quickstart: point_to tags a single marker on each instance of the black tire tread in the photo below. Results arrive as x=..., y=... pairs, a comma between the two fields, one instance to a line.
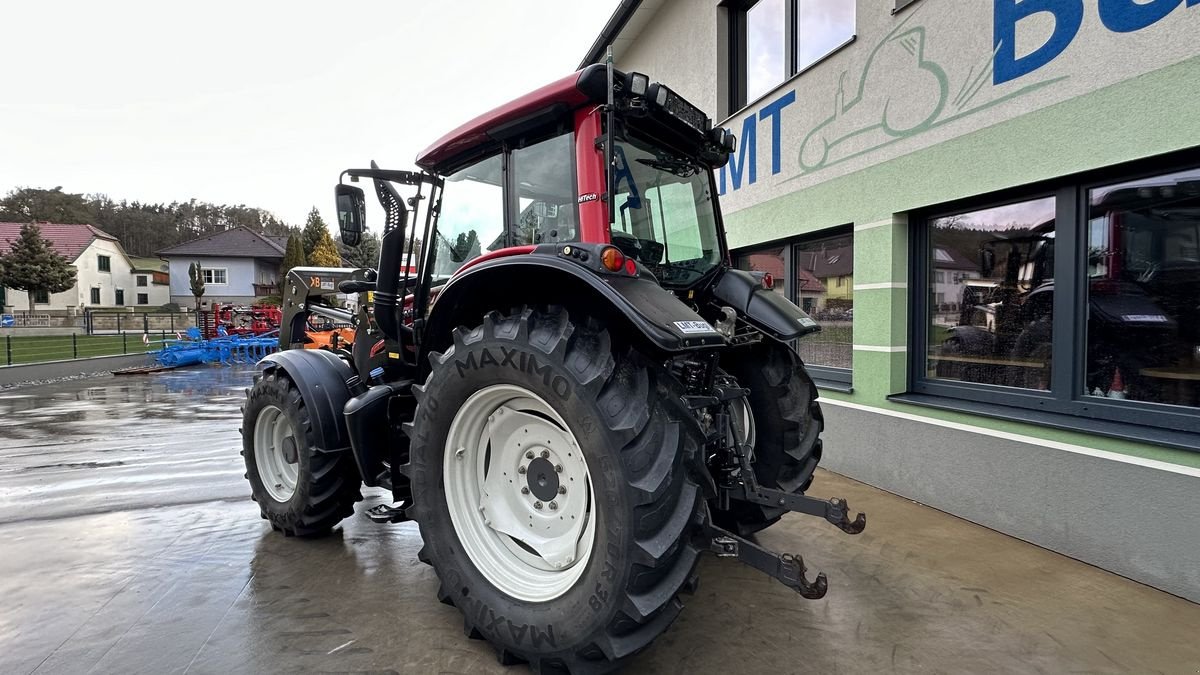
x=667, y=499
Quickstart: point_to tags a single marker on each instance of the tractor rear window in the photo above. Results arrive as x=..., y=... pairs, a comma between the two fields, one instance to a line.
x=664, y=213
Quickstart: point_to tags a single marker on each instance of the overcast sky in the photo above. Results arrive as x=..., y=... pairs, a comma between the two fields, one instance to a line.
x=261, y=103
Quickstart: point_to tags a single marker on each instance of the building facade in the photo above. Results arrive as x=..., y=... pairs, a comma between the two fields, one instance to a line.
x=104, y=273
x=239, y=267
x=1017, y=185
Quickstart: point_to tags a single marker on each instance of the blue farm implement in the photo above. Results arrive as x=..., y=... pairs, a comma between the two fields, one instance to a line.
x=224, y=348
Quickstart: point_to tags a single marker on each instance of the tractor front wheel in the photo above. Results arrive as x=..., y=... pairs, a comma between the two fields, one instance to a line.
x=298, y=490
x=551, y=483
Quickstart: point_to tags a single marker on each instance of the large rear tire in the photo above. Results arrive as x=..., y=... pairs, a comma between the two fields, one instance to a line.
x=786, y=422
x=528, y=425
x=299, y=491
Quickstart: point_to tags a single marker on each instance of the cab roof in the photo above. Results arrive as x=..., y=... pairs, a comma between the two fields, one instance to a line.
x=482, y=135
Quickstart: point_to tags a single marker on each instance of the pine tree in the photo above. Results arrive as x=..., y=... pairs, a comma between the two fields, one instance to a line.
x=314, y=227
x=366, y=254
x=196, y=279
x=325, y=254
x=32, y=266
x=292, y=257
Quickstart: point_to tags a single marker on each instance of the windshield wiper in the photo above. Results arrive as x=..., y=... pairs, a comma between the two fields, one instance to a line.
x=677, y=167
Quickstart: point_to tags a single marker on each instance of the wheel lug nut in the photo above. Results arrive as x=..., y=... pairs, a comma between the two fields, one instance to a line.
x=545, y=454
x=558, y=468
x=553, y=506
x=562, y=489
x=528, y=454
x=524, y=490
x=537, y=505
x=521, y=469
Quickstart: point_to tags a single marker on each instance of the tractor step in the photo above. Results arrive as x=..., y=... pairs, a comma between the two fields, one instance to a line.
x=384, y=513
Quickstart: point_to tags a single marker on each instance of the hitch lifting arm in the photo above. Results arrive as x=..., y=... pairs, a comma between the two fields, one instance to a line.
x=740, y=483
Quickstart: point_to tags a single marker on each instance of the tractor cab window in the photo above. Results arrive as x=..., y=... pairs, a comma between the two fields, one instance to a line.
x=472, y=217
x=664, y=215
x=544, y=180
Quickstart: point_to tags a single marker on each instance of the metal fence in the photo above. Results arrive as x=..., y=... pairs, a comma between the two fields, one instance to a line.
x=111, y=323
x=21, y=349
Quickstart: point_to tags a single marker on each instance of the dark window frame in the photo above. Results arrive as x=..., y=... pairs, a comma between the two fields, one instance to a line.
x=737, y=97
x=901, y=4
x=119, y=297
x=142, y=281
x=143, y=298
x=1061, y=406
x=104, y=263
x=94, y=296
x=825, y=377
x=38, y=295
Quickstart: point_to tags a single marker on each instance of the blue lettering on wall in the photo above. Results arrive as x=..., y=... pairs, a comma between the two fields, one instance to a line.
x=1126, y=16
x=1118, y=16
x=744, y=161
x=772, y=110
x=1068, y=16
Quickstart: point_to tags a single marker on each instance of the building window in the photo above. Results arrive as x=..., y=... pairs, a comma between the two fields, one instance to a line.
x=1078, y=301
x=772, y=40
x=216, y=276
x=120, y=297
x=103, y=263
x=994, y=326
x=817, y=275
x=141, y=280
x=1143, y=289
x=41, y=297
x=95, y=296
x=143, y=298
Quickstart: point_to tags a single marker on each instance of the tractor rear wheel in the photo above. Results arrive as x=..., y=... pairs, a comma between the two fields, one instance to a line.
x=299, y=491
x=551, y=482
x=783, y=423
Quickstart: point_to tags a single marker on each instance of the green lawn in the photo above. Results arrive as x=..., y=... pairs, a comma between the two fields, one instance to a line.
x=34, y=349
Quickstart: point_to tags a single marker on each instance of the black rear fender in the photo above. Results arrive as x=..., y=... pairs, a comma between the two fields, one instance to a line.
x=635, y=309
x=764, y=309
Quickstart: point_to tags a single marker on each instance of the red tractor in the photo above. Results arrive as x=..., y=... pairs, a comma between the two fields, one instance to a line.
x=574, y=394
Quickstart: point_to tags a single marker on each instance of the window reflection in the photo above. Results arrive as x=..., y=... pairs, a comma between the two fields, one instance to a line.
x=765, y=39
x=545, y=183
x=822, y=26
x=825, y=289
x=991, y=291
x=1143, y=264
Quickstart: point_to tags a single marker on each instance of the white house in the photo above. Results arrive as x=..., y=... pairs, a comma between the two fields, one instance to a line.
x=105, y=275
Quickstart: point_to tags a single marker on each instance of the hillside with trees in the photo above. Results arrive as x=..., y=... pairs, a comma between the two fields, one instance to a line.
x=142, y=228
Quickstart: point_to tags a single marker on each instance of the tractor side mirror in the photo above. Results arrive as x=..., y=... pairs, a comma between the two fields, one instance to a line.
x=352, y=213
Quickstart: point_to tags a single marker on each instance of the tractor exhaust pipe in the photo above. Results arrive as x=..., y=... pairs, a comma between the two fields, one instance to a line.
x=391, y=253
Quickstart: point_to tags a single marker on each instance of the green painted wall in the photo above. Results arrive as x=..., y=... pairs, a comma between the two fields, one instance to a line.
x=1148, y=115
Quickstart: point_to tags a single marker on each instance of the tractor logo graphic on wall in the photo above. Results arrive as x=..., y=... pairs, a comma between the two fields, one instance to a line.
x=901, y=92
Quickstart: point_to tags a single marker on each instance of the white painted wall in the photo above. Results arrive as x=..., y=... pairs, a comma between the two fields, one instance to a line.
x=88, y=276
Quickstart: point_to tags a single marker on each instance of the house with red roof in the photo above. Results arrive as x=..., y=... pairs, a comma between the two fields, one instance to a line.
x=239, y=266
x=105, y=276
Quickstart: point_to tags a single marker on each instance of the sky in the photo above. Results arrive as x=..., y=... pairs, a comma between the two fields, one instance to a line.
x=260, y=103
x=822, y=26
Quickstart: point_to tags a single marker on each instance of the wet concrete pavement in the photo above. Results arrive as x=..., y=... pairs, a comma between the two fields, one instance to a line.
x=127, y=545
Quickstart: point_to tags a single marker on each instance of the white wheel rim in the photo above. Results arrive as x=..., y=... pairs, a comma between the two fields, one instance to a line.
x=505, y=438
x=274, y=441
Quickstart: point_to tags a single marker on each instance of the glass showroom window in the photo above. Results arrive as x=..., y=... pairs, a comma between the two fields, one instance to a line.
x=824, y=287
x=1143, y=289
x=772, y=40
x=817, y=275
x=990, y=295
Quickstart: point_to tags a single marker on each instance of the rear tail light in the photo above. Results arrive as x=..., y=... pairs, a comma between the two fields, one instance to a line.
x=612, y=259
x=768, y=281
x=630, y=267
